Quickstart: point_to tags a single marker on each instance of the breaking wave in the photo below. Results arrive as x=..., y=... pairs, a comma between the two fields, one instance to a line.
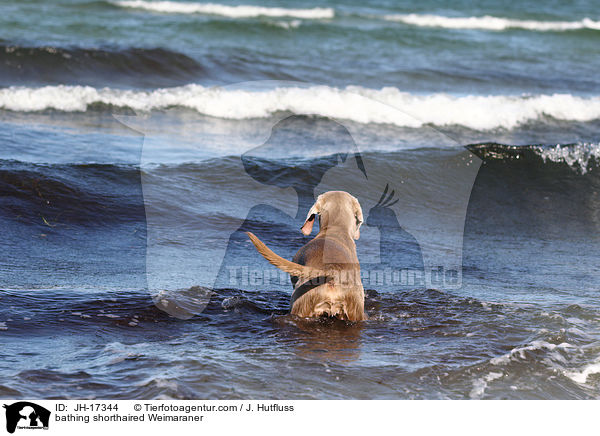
x=241, y=11
x=354, y=103
x=488, y=22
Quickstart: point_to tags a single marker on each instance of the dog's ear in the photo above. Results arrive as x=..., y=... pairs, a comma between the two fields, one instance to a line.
x=310, y=219
x=358, y=216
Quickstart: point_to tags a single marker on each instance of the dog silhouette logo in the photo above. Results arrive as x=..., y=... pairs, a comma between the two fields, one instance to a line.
x=195, y=230
x=26, y=415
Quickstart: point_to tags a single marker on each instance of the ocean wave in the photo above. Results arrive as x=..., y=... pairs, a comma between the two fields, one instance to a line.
x=73, y=64
x=352, y=103
x=581, y=157
x=241, y=11
x=488, y=22
x=56, y=196
x=581, y=376
x=520, y=353
x=46, y=195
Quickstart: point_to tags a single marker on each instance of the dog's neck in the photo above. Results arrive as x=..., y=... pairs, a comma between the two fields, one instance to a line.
x=341, y=233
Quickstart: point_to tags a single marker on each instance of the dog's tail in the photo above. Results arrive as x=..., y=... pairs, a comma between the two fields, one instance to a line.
x=292, y=268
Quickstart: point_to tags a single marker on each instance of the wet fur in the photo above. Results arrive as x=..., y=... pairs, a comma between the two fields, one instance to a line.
x=325, y=272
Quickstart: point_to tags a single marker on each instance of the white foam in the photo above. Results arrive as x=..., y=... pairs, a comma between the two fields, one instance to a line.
x=241, y=11
x=479, y=385
x=3, y=326
x=488, y=22
x=519, y=352
x=353, y=103
x=582, y=376
x=576, y=156
x=293, y=24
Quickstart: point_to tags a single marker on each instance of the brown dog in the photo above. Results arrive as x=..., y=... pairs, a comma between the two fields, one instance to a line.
x=325, y=272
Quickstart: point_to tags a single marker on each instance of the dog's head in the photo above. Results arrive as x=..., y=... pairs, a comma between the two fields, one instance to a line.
x=335, y=209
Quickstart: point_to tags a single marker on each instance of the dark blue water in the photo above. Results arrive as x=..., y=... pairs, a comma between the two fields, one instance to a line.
x=137, y=145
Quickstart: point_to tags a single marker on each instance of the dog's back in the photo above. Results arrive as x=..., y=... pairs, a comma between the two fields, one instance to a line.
x=341, y=294
x=325, y=272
